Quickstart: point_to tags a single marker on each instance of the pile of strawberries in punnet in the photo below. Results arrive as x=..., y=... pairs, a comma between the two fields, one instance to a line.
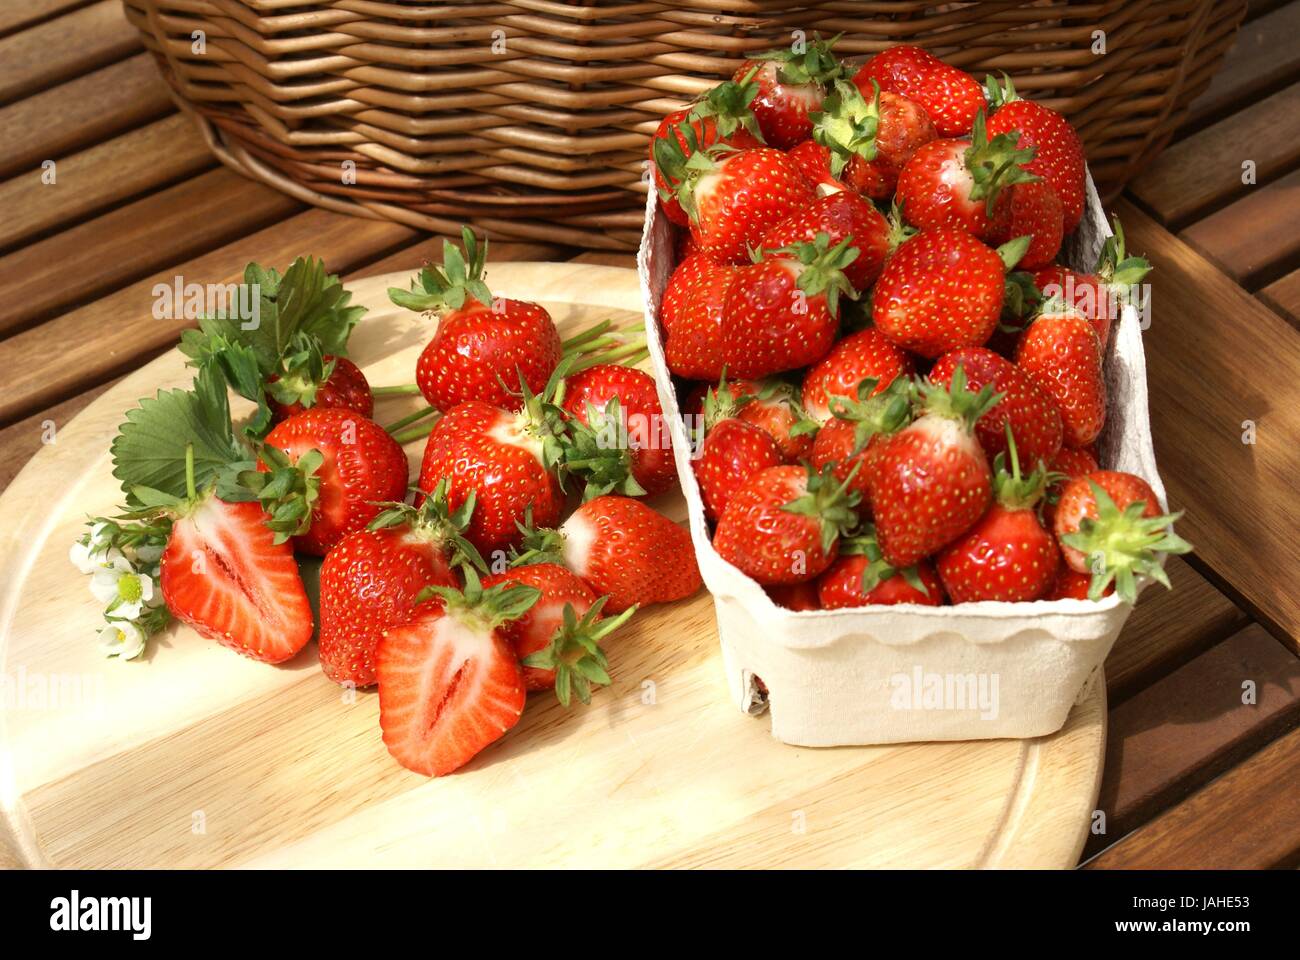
x=521, y=545
x=899, y=390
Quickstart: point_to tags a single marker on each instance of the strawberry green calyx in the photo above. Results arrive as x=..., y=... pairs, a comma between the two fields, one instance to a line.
x=955, y=401
x=847, y=124
x=1122, y=545
x=815, y=63
x=1020, y=298
x=575, y=654
x=434, y=522
x=900, y=231
x=722, y=403
x=1010, y=489
x=831, y=503
x=594, y=451
x=878, y=569
x=884, y=413
x=460, y=279
x=288, y=491
x=727, y=105
x=541, y=417
x=1013, y=251
x=1115, y=267
x=999, y=94
x=823, y=268
x=537, y=544
x=485, y=608
x=995, y=164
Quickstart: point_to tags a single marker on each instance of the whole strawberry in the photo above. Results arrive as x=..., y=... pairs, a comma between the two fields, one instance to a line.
x=339, y=465
x=867, y=354
x=692, y=317
x=942, y=290
x=371, y=578
x=861, y=577
x=1007, y=555
x=1072, y=585
x=1098, y=295
x=782, y=312
x=731, y=451
x=790, y=86
x=950, y=96
x=851, y=440
x=784, y=524
x=867, y=136
x=774, y=407
x=1030, y=413
x=931, y=480
x=1031, y=210
x=341, y=384
x=1059, y=351
x=794, y=596
x=1110, y=525
x=1058, y=153
x=842, y=216
x=483, y=347
x=1061, y=469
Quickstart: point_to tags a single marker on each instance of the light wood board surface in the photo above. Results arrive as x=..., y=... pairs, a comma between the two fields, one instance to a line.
x=196, y=757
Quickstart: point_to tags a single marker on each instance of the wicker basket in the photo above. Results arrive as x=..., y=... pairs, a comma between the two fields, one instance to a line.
x=530, y=117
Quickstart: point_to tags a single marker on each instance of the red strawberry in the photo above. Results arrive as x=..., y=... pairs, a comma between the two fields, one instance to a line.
x=730, y=452
x=841, y=216
x=861, y=577
x=370, y=580
x=1034, y=419
x=790, y=85
x=897, y=68
x=773, y=406
x=1007, y=555
x=483, y=347
x=623, y=443
x=1065, y=466
x=734, y=198
x=1110, y=525
x=1031, y=210
x=722, y=116
x=941, y=290
x=931, y=480
x=961, y=183
x=783, y=312
x=692, y=318
x=904, y=128
x=950, y=96
x=814, y=162
x=563, y=630
x=224, y=574
x=1059, y=351
x=342, y=385
x=449, y=683
x=620, y=547
x=506, y=459
x=784, y=524
x=1059, y=157
x=853, y=437
x=794, y=596
x=359, y=465
x=1070, y=585
x=859, y=356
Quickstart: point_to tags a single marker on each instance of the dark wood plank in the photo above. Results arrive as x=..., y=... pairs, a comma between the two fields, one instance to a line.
x=24, y=13
x=20, y=441
x=1167, y=629
x=98, y=177
x=87, y=346
x=1249, y=818
x=1197, y=175
x=1284, y=296
x=1174, y=736
x=1217, y=358
x=81, y=112
x=1254, y=240
x=1264, y=58
x=65, y=47
x=127, y=243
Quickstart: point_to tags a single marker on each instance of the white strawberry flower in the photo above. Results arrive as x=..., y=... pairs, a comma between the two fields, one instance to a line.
x=126, y=592
x=96, y=549
x=148, y=553
x=122, y=638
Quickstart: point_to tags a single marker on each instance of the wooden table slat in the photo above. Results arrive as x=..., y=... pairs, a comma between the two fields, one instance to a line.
x=1284, y=296
x=65, y=47
x=19, y=14
x=1254, y=240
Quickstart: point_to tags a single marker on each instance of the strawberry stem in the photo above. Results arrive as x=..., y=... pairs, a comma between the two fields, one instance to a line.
x=629, y=354
x=190, y=491
x=415, y=433
x=410, y=418
x=397, y=390
x=591, y=333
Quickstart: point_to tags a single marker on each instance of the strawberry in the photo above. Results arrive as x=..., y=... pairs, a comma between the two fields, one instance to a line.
x=859, y=356
x=618, y=440
x=794, y=596
x=560, y=630
x=483, y=347
x=370, y=580
x=1071, y=585
x=1058, y=159
x=1031, y=210
x=722, y=116
x=1006, y=555
x=1031, y=414
x=961, y=183
x=783, y=311
x=224, y=574
x=339, y=465
x=692, y=317
x=790, y=86
x=951, y=97
x=342, y=384
x=449, y=683
x=861, y=577
x=731, y=451
x=931, y=480
x=814, y=162
x=507, y=460
x=734, y=197
x=841, y=216
x=850, y=441
x=774, y=407
x=1059, y=351
x=622, y=548
x=1109, y=524
x=784, y=524
x=942, y=290
x=869, y=135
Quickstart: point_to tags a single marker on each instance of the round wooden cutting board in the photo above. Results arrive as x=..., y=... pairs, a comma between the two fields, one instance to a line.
x=197, y=757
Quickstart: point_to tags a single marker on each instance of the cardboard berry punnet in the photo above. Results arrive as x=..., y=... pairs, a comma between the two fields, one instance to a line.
x=892, y=674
